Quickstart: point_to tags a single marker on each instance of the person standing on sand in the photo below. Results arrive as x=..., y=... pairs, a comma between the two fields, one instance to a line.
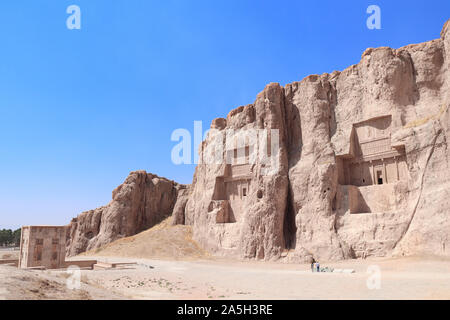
x=312, y=265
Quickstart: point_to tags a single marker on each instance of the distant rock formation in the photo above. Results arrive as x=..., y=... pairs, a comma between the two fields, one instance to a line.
x=142, y=201
x=362, y=168
x=364, y=164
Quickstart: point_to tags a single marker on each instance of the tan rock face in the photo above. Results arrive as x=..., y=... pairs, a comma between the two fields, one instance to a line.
x=142, y=201
x=234, y=208
x=337, y=166
x=180, y=206
x=363, y=158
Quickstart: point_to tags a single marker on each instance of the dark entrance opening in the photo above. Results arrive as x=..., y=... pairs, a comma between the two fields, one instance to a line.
x=379, y=177
x=289, y=228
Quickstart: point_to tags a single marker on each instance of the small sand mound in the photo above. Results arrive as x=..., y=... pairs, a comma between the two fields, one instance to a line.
x=160, y=242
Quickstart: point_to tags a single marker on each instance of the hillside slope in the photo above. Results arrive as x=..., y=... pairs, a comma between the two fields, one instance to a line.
x=163, y=241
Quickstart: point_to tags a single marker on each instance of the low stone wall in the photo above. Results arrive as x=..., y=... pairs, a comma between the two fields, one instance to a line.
x=80, y=263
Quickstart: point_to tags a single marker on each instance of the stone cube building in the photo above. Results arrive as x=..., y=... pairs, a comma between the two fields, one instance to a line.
x=42, y=246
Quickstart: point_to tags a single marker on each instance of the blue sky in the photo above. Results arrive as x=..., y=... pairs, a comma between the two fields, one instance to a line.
x=80, y=109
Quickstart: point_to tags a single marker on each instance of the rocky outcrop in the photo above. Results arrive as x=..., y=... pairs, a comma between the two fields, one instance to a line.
x=252, y=227
x=180, y=206
x=363, y=164
x=337, y=166
x=142, y=201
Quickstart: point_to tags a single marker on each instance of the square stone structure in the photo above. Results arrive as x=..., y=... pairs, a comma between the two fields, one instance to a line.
x=43, y=246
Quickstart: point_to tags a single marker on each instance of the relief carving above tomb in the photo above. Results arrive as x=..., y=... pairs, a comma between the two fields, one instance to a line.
x=372, y=160
x=233, y=187
x=371, y=167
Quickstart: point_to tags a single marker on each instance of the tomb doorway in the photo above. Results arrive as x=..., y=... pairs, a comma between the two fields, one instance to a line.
x=379, y=176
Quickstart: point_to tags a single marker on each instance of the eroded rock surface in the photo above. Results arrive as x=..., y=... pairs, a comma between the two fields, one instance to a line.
x=359, y=166
x=364, y=165
x=142, y=201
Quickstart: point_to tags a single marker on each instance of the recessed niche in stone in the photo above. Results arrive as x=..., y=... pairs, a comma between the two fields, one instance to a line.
x=259, y=194
x=234, y=185
x=371, y=161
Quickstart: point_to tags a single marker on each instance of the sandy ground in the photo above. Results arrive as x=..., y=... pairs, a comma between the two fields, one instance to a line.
x=18, y=284
x=9, y=253
x=170, y=265
x=163, y=241
x=405, y=278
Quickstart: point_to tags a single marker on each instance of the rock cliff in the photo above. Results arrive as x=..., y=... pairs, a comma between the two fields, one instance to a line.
x=363, y=164
x=337, y=166
x=142, y=201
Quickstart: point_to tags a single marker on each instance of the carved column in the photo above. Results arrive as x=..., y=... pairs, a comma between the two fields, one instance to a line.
x=396, y=165
x=361, y=173
x=373, y=172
